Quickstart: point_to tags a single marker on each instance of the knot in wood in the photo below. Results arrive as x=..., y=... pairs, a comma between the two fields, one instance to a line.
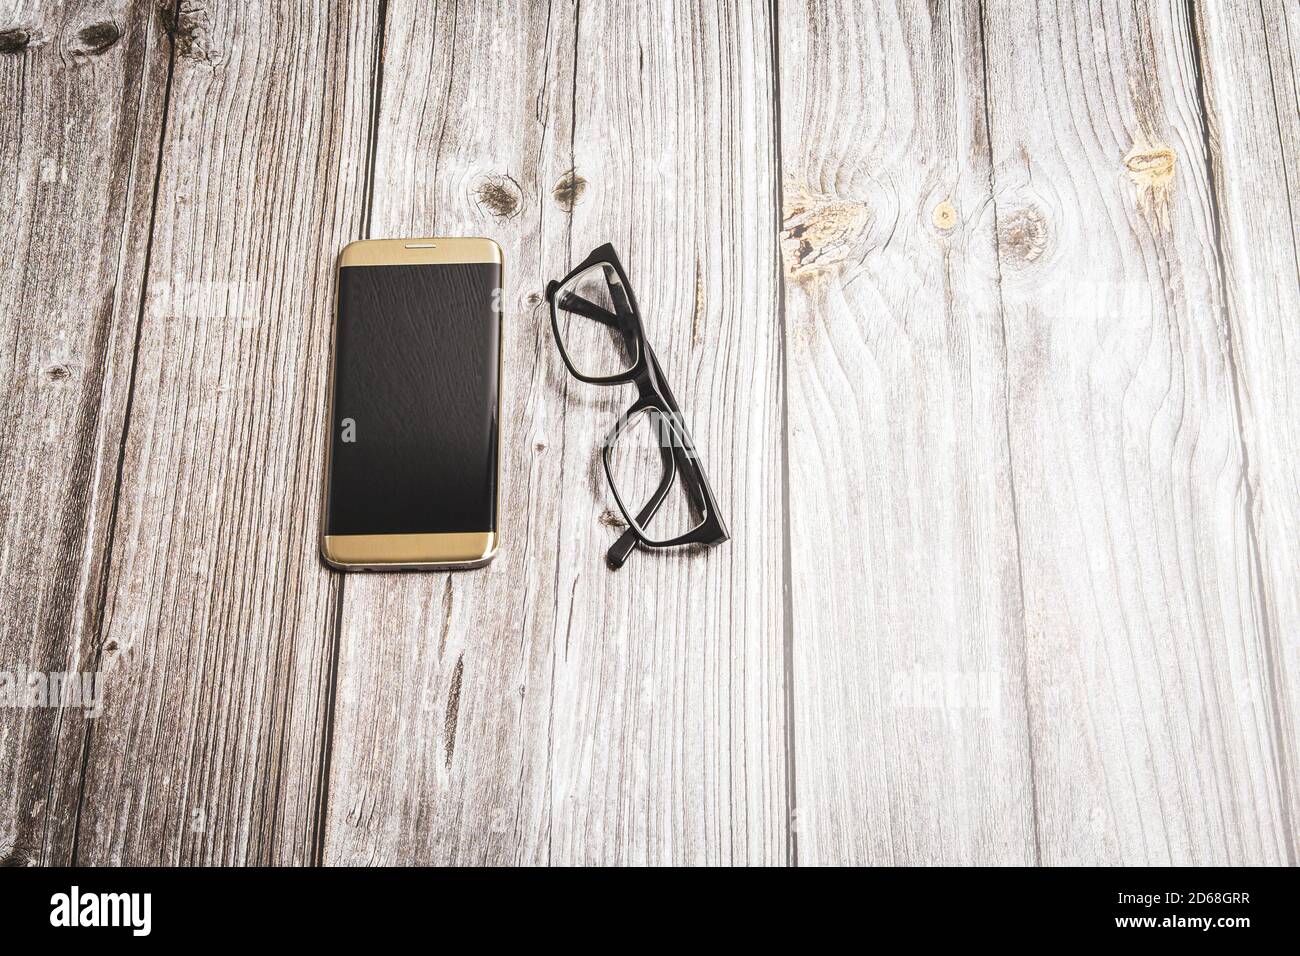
x=96, y=38
x=14, y=40
x=499, y=196
x=568, y=191
x=1023, y=234
x=819, y=232
x=944, y=216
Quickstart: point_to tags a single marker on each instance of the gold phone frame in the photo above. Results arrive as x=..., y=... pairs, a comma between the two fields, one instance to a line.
x=390, y=552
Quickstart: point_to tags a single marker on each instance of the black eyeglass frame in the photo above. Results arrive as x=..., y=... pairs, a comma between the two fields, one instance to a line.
x=653, y=396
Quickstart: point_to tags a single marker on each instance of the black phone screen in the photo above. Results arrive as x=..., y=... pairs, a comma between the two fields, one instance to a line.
x=414, y=430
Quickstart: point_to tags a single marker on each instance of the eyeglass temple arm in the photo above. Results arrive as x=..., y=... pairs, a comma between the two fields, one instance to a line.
x=572, y=302
x=618, y=552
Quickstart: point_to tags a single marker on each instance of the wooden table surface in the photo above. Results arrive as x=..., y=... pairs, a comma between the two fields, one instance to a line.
x=986, y=317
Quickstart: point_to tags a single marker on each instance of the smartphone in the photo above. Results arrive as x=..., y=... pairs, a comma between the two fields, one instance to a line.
x=413, y=462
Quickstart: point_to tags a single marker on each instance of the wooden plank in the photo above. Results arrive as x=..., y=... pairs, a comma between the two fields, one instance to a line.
x=547, y=709
x=911, y=744
x=80, y=107
x=1250, y=65
x=218, y=625
x=1147, y=663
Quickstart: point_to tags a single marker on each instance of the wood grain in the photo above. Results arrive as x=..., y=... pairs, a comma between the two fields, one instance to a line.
x=1092, y=336
x=982, y=314
x=80, y=108
x=1147, y=662
x=1249, y=55
x=911, y=741
x=547, y=709
x=219, y=616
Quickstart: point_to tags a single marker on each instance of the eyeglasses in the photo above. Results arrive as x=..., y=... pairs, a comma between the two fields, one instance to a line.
x=650, y=460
